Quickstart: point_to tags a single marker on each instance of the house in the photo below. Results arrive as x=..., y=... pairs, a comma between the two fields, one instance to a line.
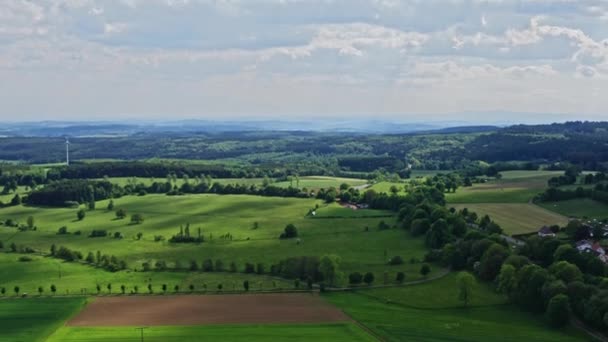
x=584, y=246
x=546, y=232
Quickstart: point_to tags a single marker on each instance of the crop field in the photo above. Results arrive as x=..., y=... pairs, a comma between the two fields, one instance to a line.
x=515, y=187
x=432, y=312
x=516, y=218
x=32, y=320
x=360, y=249
x=581, y=208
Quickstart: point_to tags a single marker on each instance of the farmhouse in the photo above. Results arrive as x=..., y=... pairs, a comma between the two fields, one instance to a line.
x=586, y=246
x=546, y=232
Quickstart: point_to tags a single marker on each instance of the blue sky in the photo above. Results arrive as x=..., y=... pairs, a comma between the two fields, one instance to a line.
x=409, y=60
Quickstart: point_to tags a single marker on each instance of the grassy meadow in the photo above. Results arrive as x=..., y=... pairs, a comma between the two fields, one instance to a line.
x=360, y=249
x=516, y=218
x=580, y=208
x=339, y=332
x=432, y=312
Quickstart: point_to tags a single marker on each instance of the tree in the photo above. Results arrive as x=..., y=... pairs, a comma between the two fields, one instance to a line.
x=109, y=287
x=16, y=289
x=2, y=291
x=396, y=260
x=290, y=232
x=40, y=290
x=438, y=235
x=53, y=288
x=16, y=200
x=465, y=286
x=121, y=214
x=400, y=277
x=246, y=285
x=425, y=270
x=137, y=218
x=91, y=205
x=30, y=222
x=98, y=287
x=368, y=278
x=558, y=311
x=150, y=290
x=53, y=249
x=191, y=287
x=80, y=215
x=140, y=235
x=566, y=271
x=506, y=280
x=164, y=287
x=355, y=278
x=123, y=289
x=90, y=258
x=111, y=205
x=176, y=288
x=329, y=267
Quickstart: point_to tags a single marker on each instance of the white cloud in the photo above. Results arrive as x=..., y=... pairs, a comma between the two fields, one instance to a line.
x=294, y=56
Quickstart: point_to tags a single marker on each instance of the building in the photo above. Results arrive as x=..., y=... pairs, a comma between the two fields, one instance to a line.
x=546, y=232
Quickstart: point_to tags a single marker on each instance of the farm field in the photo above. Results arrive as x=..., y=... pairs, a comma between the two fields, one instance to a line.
x=35, y=319
x=581, y=208
x=432, y=312
x=514, y=187
x=338, y=332
x=516, y=218
x=317, y=182
x=335, y=210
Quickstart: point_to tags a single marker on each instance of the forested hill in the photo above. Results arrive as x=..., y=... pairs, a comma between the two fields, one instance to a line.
x=583, y=143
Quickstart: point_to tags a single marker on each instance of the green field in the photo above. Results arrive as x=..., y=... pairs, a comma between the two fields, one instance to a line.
x=581, y=208
x=359, y=249
x=516, y=218
x=335, y=210
x=514, y=187
x=431, y=312
x=386, y=187
x=286, y=332
x=31, y=320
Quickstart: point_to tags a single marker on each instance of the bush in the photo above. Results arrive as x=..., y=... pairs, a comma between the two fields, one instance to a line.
x=355, y=278
x=81, y=214
x=290, y=232
x=121, y=214
x=425, y=270
x=137, y=218
x=368, y=278
x=25, y=258
x=98, y=233
x=400, y=277
x=396, y=260
x=62, y=231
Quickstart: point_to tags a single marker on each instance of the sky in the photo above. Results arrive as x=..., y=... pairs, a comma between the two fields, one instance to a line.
x=412, y=60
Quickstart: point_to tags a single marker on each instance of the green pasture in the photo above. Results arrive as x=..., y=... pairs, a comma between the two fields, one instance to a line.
x=432, y=312
x=318, y=182
x=386, y=187
x=360, y=249
x=338, y=332
x=581, y=208
x=35, y=319
x=335, y=210
x=514, y=187
x=516, y=218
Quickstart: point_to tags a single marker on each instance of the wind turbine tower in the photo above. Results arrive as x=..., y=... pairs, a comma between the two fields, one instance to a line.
x=67, y=151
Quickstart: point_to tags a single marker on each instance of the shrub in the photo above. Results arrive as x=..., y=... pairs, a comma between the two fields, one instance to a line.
x=290, y=232
x=355, y=278
x=62, y=231
x=81, y=214
x=396, y=260
x=368, y=278
x=137, y=218
x=425, y=270
x=98, y=233
x=25, y=258
x=121, y=214
x=400, y=277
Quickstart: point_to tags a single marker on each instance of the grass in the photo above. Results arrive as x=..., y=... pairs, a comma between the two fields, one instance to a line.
x=216, y=215
x=516, y=218
x=288, y=332
x=30, y=320
x=432, y=312
x=514, y=187
x=386, y=187
x=581, y=208
x=335, y=210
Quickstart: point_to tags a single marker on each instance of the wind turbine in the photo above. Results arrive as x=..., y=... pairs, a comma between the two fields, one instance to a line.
x=67, y=152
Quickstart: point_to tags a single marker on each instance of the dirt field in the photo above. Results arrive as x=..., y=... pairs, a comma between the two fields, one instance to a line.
x=200, y=310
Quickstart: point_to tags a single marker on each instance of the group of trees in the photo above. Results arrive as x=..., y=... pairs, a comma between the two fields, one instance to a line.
x=60, y=193
x=184, y=236
x=544, y=275
x=107, y=262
